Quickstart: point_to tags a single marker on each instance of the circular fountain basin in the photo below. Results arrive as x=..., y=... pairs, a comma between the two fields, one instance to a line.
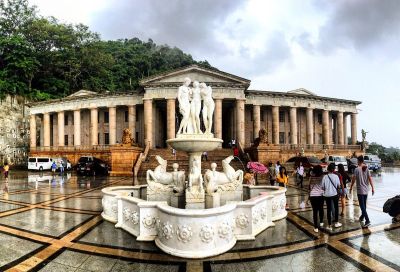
x=194, y=233
x=194, y=143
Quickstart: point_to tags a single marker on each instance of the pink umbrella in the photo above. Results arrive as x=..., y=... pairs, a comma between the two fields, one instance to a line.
x=257, y=167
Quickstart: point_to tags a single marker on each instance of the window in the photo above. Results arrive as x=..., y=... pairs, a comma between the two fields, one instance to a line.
x=65, y=120
x=282, y=116
x=65, y=139
x=43, y=160
x=262, y=116
x=320, y=138
x=281, y=137
x=126, y=116
x=32, y=159
x=106, y=117
x=106, y=138
x=319, y=118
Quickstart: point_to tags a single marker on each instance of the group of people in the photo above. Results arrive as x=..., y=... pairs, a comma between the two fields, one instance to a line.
x=55, y=166
x=331, y=187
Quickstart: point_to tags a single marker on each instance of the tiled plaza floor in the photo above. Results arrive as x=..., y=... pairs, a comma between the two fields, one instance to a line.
x=53, y=223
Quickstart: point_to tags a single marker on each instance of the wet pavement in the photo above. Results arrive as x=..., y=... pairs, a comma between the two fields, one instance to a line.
x=53, y=223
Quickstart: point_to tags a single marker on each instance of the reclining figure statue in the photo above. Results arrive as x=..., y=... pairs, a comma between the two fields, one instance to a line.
x=228, y=180
x=160, y=179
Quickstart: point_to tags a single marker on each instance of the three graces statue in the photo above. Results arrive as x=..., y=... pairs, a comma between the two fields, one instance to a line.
x=189, y=99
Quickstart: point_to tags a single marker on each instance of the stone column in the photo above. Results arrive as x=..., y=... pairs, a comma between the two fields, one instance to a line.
x=345, y=129
x=218, y=118
x=94, y=129
x=240, y=133
x=354, y=128
x=112, y=113
x=148, y=121
x=46, y=129
x=171, y=118
x=60, y=125
x=293, y=125
x=325, y=127
x=275, y=124
x=77, y=127
x=310, y=126
x=132, y=120
x=32, y=130
x=340, y=128
x=256, y=120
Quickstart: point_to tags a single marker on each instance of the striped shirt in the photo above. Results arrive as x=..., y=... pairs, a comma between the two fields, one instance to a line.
x=316, y=186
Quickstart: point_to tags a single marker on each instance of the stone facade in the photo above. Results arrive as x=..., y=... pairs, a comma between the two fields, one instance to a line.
x=14, y=130
x=293, y=120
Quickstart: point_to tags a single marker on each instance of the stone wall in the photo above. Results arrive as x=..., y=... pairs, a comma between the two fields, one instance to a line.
x=14, y=130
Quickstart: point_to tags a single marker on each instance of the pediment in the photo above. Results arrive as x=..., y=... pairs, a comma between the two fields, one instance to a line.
x=83, y=93
x=302, y=92
x=195, y=73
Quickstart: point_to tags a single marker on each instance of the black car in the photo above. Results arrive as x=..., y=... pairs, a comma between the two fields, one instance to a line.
x=91, y=166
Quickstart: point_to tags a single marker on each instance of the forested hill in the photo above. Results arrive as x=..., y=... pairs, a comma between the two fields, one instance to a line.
x=41, y=58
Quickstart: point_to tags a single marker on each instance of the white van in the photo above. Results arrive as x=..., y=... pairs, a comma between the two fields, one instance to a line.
x=39, y=163
x=337, y=160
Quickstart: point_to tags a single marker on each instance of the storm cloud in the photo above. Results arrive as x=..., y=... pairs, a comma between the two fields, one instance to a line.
x=189, y=25
x=363, y=25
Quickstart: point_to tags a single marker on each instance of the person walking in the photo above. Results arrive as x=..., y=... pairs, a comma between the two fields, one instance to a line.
x=277, y=167
x=271, y=174
x=6, y=169
x=345, y=178
x=316, y=196
x=300, y=175
x=330, y=184
x=53, y=167
x=363, y=179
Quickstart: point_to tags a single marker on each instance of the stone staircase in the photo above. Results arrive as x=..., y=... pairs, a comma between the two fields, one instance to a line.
x=182, y=159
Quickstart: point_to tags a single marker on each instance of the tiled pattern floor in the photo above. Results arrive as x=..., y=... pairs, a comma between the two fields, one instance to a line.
x=53, y=223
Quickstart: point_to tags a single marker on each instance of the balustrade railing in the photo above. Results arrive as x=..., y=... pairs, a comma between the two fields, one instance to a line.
x=71, y=148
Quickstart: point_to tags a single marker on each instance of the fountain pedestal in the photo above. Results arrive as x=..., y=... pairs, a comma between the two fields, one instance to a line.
x=195, y=145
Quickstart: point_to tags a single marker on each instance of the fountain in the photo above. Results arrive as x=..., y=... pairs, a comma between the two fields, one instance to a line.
x=200, y=216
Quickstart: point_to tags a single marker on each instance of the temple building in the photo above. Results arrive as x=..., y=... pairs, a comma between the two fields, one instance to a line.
x=294, y=120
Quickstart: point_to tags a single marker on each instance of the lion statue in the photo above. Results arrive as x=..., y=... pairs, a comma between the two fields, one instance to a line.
x=262, y=137
x=127, y=137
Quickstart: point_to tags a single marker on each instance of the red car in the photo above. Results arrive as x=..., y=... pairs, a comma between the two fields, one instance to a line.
x=307, y=162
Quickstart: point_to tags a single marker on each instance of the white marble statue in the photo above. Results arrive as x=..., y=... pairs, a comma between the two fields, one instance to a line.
x=184, y=106
x=178, y=178
x=195, y=107
x=161, y=176
x=195, y=177
x=229, y=179
x=208, y=106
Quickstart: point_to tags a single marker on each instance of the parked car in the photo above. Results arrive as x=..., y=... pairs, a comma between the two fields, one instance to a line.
x=336, y=160
x=307, y=162
x=373, y=162
x=93, y=166
x=39, y=163
x=352, y=164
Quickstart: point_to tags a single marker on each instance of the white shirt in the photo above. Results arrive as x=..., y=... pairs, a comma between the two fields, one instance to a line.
x=300, y=170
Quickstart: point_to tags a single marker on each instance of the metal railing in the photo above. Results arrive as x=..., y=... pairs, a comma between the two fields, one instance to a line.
x=318, y=147
x=138, y=164
x=71, y=148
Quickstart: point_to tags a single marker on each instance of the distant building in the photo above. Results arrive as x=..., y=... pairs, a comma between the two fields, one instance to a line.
x=298, y=118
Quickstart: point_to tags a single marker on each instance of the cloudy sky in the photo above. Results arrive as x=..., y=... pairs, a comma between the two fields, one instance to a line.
x=345, y=48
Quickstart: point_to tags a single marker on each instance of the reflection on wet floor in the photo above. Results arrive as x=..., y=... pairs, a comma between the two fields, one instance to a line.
x=52, y=223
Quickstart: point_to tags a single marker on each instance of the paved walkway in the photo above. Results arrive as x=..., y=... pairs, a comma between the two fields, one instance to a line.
x=54, y=224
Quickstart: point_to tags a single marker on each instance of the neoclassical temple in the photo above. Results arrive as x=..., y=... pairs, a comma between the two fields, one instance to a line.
x=87, y=120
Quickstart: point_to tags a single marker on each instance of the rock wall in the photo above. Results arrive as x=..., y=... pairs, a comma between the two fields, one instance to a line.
x=14, y=130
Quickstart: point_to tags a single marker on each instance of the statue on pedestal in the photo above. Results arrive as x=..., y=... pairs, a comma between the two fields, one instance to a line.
x=127, y=138
x=195, y=107
x=160, y=177
x=184, y=105
x=228, y=180
x=208, y=106
x=195, y=177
